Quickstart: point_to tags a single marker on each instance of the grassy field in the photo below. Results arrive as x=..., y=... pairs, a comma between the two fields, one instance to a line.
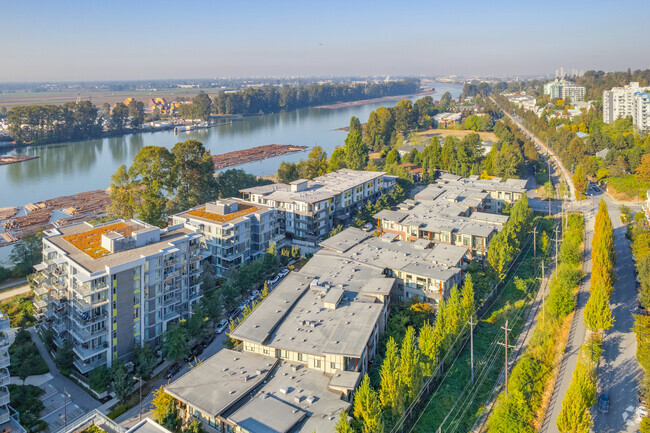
x=425, y=136
x=98, y=97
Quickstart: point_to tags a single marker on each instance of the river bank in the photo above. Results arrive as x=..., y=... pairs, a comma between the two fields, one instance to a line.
x=376, y=100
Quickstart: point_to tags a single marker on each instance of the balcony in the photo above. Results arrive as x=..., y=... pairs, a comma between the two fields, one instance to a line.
x=89, y=291
x=88, y=352
x=86, y=319
x=40, y=304
x=83, y=335
x=4, y=414
x=171, y=315
x=4, y=322
x=4, y=396
x=4, y=361
x=83, y=305
x=4, y=377
x=85, y=367
x=41, y=289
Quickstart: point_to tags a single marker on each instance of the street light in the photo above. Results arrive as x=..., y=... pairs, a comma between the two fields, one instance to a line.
x=65, y=410
x=140, y=407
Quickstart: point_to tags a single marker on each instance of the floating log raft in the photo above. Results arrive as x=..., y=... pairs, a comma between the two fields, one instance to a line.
x=253, y=154
x=5, y=160
x=8, y=212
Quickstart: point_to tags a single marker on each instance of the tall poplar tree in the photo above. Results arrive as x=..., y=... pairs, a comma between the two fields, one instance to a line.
x=409, y=366
x=391, y=394
x=367, y=407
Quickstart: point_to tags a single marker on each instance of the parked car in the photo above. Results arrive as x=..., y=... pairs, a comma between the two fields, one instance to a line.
x=283, y=273
x=196, y=351
x=274, y=280
x=603, y=403
x=209, y=339
x=255, y=293
x=172, y=371
x=221, y=326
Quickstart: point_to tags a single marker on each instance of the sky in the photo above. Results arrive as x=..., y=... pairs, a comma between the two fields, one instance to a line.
x=82, y=40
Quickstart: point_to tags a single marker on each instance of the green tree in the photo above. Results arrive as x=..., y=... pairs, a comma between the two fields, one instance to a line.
x=176, y=342
x=343, y=425
x=122, y=381
x=355, y=124
x=153, y=171
x=404, y=115
x=194, y=173
x=391, y=393
x=428, y=343
x=392, y=157
x=201, y=106
x=316, y=164
x=195, y=426
x=145, y=361
x=288, y=172
x=597, y=313
x=367, y=407
x=467, y=306
x=164, y=408
x=25, y=254
x=580, y=182
x=98, y=379
x=136, y=113
x=575, y=416
x=124, y=195
x=409, y=366
x=119, y=115
x=356, y=154
x=337, y=160
x=64, y=358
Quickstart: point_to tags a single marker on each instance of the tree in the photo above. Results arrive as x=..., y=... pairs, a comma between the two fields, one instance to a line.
x=316, y=163
x=64, y=358
x=119, y=115
x=575, y=416
x=549, y=190
x=391, y=393
x=136, y=113
x=194, y=172
x=409, y=365
x=122, y=381
x=445, y=101
x=367, y=407
x=195, y=426
x=176, y=342
x=355, y=124
x=643, y=169
x=337, y=160
x=288, y=172
x=597, y=313
x=25, y=254
x=153, y=171
x=404, y=116
x=392, y=157
x=201, y=106
x=343, y=425
x=580, y=182
x=428, y=342
x=123, y=194
x=98, y=379
x=145, y=361
x=165, y=410
x=24, y=361
x=467, y=306
x=356, y=154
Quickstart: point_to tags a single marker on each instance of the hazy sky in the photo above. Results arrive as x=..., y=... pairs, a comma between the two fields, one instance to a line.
x=103, y=40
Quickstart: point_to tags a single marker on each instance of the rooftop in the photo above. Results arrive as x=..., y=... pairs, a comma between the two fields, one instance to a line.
x=220, y=381
x=90, y=241
x=243, y=209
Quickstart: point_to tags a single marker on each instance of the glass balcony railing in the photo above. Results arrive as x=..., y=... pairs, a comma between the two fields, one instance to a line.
x=84, y=335
x=87, y=351
x=86, y=366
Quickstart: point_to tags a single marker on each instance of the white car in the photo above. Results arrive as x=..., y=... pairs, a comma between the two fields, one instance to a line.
x=221, y=326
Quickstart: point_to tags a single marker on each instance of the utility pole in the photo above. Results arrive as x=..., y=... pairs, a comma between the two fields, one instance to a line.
x=548, y=161
x=506, y=346
x=139, y=379
x=557, y=240
x=535, y=242
x=471, y=344
x=65, y=410
x=543, y=295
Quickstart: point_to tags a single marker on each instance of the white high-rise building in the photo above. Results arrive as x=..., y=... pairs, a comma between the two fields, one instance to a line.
x=641, y=111
x=619, y=102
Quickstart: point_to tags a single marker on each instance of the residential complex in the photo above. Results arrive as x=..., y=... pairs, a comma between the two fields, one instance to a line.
x=561, y=89
x=526, y=102
x=306, y=346
x=234, y=231
x=443, y=120
x=454, y=211
x=620, y=102
x=108, y=288
x=641, y=111
x=309, y=209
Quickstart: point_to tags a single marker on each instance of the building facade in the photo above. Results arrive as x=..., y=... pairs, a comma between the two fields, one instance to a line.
x=619, y=102
x=572, y=93
x=641, y=111
x=234, y=231
x=108, y=288
x=561, y=89
x=309, y=209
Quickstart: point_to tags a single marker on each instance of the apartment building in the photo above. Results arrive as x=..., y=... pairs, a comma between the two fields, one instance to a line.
x=110, y=287
x=454, y=211
x=9, y=420
x=234, y=231
x=561, y=89
x=306, y=346
x=641, y=111
x=619, y=102
x=309, y=209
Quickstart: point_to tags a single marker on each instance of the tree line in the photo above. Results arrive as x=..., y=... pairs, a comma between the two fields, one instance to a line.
x=640, y=234
x=272, y=99
x=531, y=376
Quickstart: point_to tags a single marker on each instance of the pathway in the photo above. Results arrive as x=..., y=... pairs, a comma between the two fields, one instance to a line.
x=15, y=291
x=619, y=372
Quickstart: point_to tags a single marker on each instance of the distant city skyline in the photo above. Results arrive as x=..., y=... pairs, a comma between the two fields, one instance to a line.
x=75, y=40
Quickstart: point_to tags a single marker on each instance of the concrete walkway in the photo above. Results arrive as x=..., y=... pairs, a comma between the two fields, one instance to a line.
x=15, y=291
x=36, y=380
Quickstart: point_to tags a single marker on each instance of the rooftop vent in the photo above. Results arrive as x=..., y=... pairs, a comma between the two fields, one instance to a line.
x=284, y=391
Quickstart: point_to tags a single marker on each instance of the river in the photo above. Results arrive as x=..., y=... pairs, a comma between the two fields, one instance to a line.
x=72, y=167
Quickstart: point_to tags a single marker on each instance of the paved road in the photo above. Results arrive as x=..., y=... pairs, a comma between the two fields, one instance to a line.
x=619, y=371
x=130, y=417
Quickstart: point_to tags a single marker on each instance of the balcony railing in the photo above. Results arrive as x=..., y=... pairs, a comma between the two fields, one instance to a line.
x=83, y=335
x=4, y=377
x=83, y=305
x=4, y=396
x=85, y=367
x=4, y=414
x=4, y=361
x=85, y=292
x=86, y=319
x=87, y=352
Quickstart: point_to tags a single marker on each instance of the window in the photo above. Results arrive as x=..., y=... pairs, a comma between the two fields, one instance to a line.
x=302, y=357
x=318, y=363
x=335, y=366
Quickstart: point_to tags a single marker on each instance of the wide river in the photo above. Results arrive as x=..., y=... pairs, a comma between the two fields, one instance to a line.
x=72, y=167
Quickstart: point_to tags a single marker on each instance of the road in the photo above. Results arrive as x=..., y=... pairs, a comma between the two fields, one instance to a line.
x=619, y=372
x=130, y=417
